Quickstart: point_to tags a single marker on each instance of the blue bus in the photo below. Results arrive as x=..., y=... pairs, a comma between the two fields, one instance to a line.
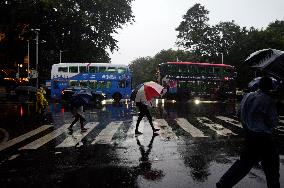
x=111, y=80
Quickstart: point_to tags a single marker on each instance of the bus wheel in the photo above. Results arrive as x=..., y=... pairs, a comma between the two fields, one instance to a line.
x=117, y=96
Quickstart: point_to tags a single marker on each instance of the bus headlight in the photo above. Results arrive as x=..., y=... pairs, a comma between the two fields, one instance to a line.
x=196, y=101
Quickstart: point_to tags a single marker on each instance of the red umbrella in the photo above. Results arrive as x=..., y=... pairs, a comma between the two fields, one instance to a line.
x=147, y=91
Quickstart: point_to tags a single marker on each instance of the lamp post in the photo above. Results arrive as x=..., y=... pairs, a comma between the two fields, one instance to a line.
x=222, y=58
x=60, y=51
x=37, y=32
x=28, y=59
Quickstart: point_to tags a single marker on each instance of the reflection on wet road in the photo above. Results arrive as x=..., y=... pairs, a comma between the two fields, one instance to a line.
x=195, y=146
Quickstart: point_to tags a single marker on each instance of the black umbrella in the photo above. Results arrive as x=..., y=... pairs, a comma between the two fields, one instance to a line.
x=80, y=98
x=270, y=61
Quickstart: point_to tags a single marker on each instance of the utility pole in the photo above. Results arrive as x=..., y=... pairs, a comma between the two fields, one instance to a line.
x=60, y=51
x=37, y=32
x=28, y=59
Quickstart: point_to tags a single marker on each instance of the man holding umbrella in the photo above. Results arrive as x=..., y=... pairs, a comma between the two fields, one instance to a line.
x=258, y=114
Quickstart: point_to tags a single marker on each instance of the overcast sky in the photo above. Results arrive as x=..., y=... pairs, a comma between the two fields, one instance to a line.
x=156, y=20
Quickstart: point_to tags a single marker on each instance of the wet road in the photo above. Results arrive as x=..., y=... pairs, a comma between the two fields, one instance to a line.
x=195, y=146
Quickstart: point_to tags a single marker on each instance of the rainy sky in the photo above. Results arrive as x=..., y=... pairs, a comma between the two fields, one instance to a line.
x=156, y=20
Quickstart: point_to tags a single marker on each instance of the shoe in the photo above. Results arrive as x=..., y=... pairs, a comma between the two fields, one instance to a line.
x=155, y=134
x=83, y=129
x=137, y=132
x=155, y=130
x=70, y=129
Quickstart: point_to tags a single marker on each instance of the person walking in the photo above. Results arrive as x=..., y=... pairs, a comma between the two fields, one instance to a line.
x=144, y=111
x=258, y=114
x=77, y=109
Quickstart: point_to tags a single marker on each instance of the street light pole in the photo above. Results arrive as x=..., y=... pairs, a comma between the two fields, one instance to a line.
x=37, y=32
x=60, y=51
x=28, y=59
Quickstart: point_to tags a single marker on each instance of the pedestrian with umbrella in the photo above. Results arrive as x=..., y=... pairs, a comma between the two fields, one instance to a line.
x=79, y=99
x=258, y=114
x=142, y=95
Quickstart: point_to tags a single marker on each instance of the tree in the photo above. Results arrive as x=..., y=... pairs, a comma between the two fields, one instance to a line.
x=149, y=64
x=82, y=28
x=194, y=30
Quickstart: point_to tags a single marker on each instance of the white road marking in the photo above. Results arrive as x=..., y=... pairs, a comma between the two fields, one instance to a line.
x=13, y=157
x=23, y=137
x=219, y=129
x=166, y=131
x=231, y=121
x=131, y=130
x=45, y=139
x=106, y=134
x=188, y=127
x=76, y=137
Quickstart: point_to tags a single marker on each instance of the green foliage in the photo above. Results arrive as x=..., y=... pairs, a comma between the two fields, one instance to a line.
x=144, y=68
x=227, y=38
x=193, y=30
x=83, y=29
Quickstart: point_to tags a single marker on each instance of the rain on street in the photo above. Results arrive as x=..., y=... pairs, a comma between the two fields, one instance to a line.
x=196, y=144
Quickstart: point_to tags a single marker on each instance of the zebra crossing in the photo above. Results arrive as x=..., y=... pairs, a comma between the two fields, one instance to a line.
x=106, y=134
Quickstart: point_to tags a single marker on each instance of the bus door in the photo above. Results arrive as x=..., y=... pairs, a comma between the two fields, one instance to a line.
x=172, y=86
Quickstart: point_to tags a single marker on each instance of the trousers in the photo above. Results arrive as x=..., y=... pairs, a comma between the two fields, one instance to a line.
x=143, y=111
x=258, y=147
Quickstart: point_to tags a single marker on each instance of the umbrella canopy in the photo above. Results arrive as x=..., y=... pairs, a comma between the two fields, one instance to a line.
x=81, y=98
x=253, y=85
x=147, y=91
x=270, y=61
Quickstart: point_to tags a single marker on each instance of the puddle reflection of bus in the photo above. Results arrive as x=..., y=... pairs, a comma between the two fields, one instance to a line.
x=111, y=80
x=189, y=80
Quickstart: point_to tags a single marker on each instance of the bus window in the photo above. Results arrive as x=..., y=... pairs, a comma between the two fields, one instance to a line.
x=73, y=69
x=111, y=69
x=210, y=71
x=93, y=69
x=203, y=71
x=173, y=69
x=121, y=70
x=92, y=84
x=102, y=69
x=108, y=84
x=83, y=69
x=83, y=84
x=62, y=69
x=73, y=83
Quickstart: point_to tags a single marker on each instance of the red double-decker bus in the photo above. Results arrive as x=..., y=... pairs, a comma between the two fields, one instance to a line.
x=189, y=80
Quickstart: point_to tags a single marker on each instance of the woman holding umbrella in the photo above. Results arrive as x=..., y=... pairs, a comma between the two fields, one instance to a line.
x=144, y=93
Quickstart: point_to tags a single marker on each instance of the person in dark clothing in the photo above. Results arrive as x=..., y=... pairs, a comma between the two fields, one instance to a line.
x=143, y=111
x=78, y=113
x=258, y=114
